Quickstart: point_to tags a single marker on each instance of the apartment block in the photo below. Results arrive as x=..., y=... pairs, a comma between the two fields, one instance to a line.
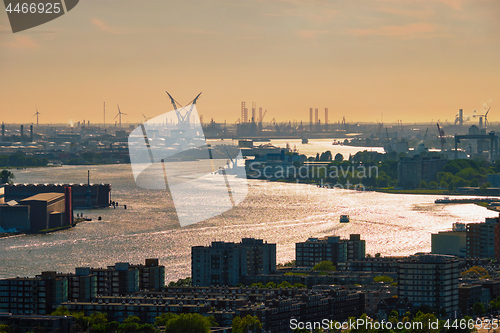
x=39, y=295
x=331, y=248
x=224, y=263
x=483, y=239
x=431, y=280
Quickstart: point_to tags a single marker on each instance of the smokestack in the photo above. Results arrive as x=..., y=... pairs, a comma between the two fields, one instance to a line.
x=311, y=118
x=260, y=115
x=246, y=115
x=480, y=122
x=326, y=119
x=31, y=133
x=3, y=132
x=253, y=111
x=316, y=118
x=22, y=133
x=242, y=112
x=68, y=205
x=460, y=117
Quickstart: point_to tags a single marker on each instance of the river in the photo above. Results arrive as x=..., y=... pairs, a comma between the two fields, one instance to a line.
x=281, y=213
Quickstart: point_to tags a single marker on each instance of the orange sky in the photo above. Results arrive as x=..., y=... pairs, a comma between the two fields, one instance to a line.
x=415, y=60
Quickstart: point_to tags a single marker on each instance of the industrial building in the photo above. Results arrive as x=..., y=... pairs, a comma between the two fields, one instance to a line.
x=39, y=212
x=224, y=263
x=84, y=195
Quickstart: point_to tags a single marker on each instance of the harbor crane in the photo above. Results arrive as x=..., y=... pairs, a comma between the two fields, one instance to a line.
x=262, y=119
x=441, y=136
x=183, y=119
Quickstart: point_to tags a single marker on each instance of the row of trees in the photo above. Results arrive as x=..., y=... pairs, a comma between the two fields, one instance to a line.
x=172, y=323
x=21, y=160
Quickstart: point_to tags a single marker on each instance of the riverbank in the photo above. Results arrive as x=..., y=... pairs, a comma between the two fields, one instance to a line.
x=43, y=231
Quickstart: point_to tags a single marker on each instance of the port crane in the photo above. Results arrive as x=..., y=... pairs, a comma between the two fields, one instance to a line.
x=441, y=136
x=262, y=119
x=183, y=119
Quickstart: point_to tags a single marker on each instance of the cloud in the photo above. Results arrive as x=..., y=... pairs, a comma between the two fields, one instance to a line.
x=454, y=4
x=21, y=42
x=412, y=30
x=107, y=28
x=312, y=34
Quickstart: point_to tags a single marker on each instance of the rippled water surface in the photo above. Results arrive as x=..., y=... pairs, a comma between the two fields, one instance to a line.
x=391, y=224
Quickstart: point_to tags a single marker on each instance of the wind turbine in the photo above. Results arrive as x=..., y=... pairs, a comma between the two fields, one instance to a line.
x=145, y=118
x=36, y=114
x=120, y=115
x=481, y=116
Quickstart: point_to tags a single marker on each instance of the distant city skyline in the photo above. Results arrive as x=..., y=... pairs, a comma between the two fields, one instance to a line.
x=415, y=61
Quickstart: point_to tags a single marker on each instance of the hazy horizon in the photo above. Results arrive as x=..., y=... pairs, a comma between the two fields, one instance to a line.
x=415, y=61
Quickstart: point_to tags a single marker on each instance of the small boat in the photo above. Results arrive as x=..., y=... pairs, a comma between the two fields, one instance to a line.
x=305, y=140
x=444, y=200
x=344, y=219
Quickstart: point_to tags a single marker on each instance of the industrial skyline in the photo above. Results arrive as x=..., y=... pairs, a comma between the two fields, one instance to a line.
x=412, y=61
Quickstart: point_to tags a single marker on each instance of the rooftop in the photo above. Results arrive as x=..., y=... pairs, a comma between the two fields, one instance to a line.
x=44, y=197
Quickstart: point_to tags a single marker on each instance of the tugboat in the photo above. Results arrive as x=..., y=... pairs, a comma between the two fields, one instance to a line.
x=344, y=219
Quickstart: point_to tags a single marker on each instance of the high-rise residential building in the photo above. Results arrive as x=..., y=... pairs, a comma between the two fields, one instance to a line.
x=356, y=247
x=412, y=170
x=82, y=286
x=331, y=248
x=430, y=280
x=119, y=279
x=151, y=275
x=483, y=239
x=224, y=263
x=315, y=250
x=38, y=295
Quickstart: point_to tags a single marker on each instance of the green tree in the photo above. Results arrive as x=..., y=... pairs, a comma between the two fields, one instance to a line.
x=61, y=311
x=188, y=323
x=6, y=176
x=246, y=324
x=382, y=278
x=285, y=284
x=423, y=184
x=4, y=328
x=478, y=309
x=324, y=266
x=339, y=157
x=271, y=285
x=162, y=319
x=299, y=285
x=433, y=184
